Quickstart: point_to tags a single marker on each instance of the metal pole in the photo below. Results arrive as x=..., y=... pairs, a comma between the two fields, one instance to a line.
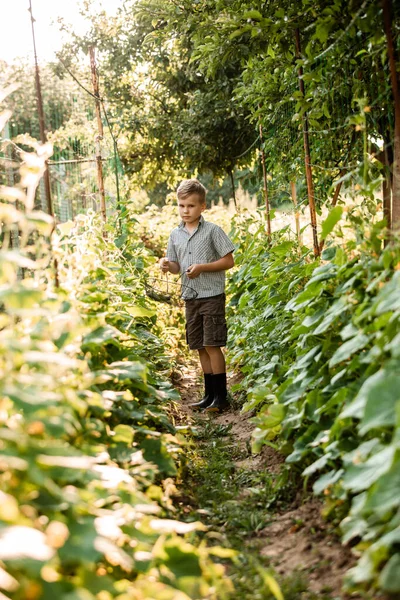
x=307, y=157
x=42, y=128
x=99, y=137
x=266, y=199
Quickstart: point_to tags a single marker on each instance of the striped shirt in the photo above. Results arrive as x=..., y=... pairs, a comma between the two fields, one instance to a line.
x=206, y=244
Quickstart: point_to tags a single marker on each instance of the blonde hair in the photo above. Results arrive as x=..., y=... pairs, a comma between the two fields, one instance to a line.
x=187, y=187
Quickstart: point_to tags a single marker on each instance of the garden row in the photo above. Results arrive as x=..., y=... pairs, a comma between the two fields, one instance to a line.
x=88, y=449
x=318, y=343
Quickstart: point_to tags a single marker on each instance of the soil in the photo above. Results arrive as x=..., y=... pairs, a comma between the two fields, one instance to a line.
x=298, y=539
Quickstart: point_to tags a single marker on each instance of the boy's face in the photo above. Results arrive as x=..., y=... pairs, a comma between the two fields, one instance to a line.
x=190, y=208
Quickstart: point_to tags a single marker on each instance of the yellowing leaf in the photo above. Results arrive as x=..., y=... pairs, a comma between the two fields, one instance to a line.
x=272, y=584
x=171, y=526
x=139, y=311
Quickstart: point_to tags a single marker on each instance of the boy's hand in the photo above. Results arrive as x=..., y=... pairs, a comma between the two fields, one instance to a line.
x=194, y=271
x=164, y=265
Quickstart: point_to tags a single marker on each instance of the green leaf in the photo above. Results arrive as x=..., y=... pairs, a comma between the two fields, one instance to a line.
x=322, y=32
x=320, y=463
x=359, y=477
x=123, y=433
x=380, y=385
x=101, y=336
x=385, y=493
x=334, y=217
x=336, y=310
x=351, y=527
x=20, y=297
x=389, y=579
x=140, y=311
x=389, y=296
x=270, y=51
x=239, y=32
x=381, y=413
x=271, y=584
x=349, y=348
x=327, y=480
x=252, y=14
x=123, y=370
x=270, y=416
x=155, y=451
x=78, y=594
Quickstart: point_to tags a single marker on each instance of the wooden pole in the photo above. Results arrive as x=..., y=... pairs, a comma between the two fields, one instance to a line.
x=43, y=139
x=296, y=212
x=233, y=188
x=387, y=14
x=99, y=137
x=386, y=188
x=42, y=127
x=266, y=198
x=307, y=157
x=14, y=242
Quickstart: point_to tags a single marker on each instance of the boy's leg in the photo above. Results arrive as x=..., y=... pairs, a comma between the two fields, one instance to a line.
x=205, y=361
x=217, y=360
x=208, y=397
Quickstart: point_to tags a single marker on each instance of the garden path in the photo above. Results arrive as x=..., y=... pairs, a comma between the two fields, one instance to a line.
x=291, y=535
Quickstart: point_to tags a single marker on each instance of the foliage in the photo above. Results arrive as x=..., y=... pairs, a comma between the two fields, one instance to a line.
x=173, y=121
x=343, y=59
x=60, y=98
x=322, y=372
x=87, y=446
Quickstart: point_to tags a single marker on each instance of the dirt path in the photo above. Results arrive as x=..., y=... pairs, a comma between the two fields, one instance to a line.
x=290, y=536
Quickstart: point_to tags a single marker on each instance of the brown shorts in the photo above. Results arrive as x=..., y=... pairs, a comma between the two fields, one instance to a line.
x=205, y=322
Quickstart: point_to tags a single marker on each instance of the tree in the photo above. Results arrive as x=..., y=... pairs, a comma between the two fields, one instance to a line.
x=173, y=120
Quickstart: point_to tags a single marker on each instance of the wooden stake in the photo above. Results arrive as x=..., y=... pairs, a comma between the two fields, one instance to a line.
x=42, y=127
x=307, y=157
x=233, y=189
x=266, y=199
x=387, y=14
x=43, y=139
x=99, y=137
x=14, y=240
x=386, y=189
x=296, y=212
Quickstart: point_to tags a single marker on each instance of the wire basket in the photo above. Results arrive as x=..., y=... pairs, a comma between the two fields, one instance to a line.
x=169, y=292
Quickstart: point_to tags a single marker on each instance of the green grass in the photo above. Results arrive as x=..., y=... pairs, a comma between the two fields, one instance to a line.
x=237, y=504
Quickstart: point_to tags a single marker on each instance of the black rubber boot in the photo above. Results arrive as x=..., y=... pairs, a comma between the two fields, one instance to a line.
x=208, y=394
x=220, y=401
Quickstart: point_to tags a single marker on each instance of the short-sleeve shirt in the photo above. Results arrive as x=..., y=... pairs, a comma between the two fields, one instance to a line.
x=206, y=244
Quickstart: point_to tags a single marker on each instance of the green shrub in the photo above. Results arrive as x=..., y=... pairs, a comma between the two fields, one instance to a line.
x=318, y=343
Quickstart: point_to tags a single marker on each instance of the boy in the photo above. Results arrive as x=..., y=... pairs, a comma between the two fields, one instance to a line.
x=202, y=252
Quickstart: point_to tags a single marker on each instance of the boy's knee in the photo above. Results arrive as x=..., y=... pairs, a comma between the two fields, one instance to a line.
x=213, y=350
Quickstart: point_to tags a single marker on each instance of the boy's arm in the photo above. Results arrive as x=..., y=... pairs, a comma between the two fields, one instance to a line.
x=170, y=264
x=222, y=264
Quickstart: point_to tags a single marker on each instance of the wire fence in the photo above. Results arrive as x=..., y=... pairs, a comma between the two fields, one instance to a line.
x=71, y=128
